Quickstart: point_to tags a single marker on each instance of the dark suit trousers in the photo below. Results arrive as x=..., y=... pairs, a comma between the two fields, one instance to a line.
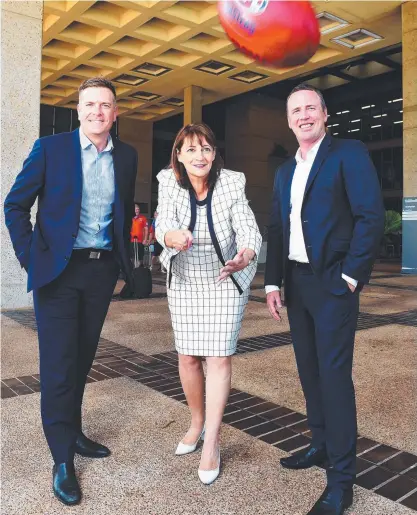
x=70, y=313
x=323, y=329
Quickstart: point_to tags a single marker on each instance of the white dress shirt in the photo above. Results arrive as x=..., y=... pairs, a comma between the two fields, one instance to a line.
x=297, y=251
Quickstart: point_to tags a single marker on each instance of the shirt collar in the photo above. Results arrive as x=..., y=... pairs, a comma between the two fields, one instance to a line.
x=86, y=143
x=311, y=154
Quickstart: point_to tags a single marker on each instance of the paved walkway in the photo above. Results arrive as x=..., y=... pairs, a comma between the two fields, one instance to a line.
x=135, y=405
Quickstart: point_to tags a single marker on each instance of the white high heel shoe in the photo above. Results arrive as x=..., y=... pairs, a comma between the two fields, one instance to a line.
x=209, y=476
x=184, y=448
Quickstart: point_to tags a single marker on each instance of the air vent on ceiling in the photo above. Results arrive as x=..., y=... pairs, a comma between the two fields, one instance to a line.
x=248, y=77
x=214, y=67
x=329, y=22
x=357, y=38
x=145, y=95
x=177, y=102
x=132, y=80
x=152, y=69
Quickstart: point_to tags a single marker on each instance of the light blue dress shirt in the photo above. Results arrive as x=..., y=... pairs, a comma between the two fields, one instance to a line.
x=96, y=219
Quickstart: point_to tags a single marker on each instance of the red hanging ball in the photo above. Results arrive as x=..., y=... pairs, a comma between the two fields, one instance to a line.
x=274, y=32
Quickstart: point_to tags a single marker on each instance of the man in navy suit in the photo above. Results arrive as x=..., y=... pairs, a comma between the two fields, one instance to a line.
x=84, y=182
x=326, y=225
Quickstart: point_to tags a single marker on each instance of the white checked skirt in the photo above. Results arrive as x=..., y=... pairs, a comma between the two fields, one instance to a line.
x=206, y=317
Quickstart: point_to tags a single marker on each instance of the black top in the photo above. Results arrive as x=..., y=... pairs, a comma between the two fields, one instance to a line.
x=201, y=202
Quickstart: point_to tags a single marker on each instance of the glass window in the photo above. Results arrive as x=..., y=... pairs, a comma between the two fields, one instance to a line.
x=62, y=122
x=46, y=120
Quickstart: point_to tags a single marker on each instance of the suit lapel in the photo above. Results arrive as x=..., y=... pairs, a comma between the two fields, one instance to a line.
x=193, y=205
x=286, y=192
x=318, y=161
x=118, y=184
x=118, y=167
x=184, y=207
x=214, y=200
x=74, y=163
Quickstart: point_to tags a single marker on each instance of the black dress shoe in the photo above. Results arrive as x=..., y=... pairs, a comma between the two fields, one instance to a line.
x=333, y=501
x=89, y=449
x=305, y=458
x=65, y=484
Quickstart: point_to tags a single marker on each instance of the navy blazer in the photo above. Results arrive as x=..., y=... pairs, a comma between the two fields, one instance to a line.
x=342, y=216
x=52, y=173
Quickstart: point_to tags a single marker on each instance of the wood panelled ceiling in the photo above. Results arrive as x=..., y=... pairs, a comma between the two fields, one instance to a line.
x=152, y=50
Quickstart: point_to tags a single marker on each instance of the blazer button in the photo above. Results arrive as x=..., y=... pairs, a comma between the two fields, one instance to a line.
x=66, y=258
x=74, y=236
x=305, y=221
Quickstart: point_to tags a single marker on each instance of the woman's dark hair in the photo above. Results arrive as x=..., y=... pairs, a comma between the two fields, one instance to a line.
x=202, y=132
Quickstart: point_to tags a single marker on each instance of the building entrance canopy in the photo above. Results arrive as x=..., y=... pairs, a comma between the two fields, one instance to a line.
x=153, y=50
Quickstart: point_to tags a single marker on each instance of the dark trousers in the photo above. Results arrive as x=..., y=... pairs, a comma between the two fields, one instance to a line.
x=323, y=329
x=70, y=313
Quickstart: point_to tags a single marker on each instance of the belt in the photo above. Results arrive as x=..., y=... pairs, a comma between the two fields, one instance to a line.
x=86, y=254
x=302, y=266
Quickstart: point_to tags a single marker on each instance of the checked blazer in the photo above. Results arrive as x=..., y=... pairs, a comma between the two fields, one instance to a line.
x=231, y=221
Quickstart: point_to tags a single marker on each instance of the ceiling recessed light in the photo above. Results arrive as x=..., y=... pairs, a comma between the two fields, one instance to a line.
x=329, y=22
x=152, y=69
x=214, y=67
x=177, y=102
x=131, y=80
x=357, y=38
x=145, y=95
x=248, y=76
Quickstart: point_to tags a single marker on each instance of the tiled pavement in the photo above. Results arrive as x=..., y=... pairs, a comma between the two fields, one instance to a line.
x=383, y=469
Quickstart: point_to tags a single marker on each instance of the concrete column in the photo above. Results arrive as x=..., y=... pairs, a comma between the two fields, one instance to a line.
x=140, y=135
x=21, y=49
x=256, y=143
x=193, y=105
x=409, y=39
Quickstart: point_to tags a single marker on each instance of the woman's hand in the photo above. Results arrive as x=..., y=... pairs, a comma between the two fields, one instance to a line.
x=179, y=239
x=239, y=262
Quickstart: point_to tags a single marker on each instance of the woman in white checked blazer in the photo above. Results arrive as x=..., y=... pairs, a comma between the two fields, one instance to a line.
x=211, y=241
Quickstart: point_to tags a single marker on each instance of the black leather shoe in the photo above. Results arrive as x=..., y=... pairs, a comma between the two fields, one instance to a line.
x=333, y=501
x=89, y=449
x=65, y=484
x=305, y=458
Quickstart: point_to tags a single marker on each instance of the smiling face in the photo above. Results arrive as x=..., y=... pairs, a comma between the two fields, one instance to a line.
x=306, y=117
x=97, y=111
x=196, y=156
